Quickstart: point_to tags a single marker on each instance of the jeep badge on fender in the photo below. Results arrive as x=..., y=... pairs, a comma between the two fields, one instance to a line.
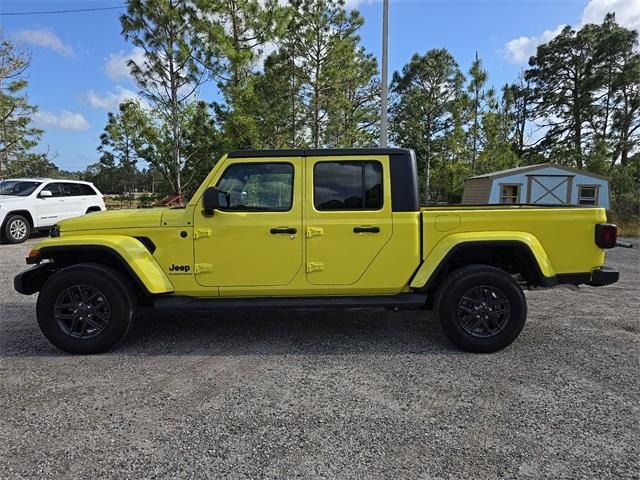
x=179, y=268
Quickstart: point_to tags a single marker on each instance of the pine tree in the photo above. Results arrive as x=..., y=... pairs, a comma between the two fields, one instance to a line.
x=561, y=74
x=17, y=136
x=325, y=37
x=426, y=92
x=480, y=100
x=170, y=73
x=353, y=107
x=122, y=143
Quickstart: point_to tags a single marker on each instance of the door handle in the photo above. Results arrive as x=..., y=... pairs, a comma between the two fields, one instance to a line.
x=284, y=230
x=366, y=229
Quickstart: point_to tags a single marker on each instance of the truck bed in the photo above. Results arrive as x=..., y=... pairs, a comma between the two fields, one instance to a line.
x=551, y=227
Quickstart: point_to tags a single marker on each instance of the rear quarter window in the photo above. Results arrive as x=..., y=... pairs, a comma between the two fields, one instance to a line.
x=77, y=190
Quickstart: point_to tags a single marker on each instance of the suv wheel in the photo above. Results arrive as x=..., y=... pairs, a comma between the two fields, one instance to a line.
x=85, y=308
x=17, y=229
x=481, y=308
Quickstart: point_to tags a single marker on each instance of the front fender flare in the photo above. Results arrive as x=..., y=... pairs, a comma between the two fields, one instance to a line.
x=439, y=254
x=132, y=253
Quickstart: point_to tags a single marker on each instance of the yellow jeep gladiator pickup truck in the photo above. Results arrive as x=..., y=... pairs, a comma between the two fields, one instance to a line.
x=279, y=229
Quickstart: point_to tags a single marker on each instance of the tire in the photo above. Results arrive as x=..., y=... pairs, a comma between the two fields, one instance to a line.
x=16, y=229
x=86, y=308
x=481, y=308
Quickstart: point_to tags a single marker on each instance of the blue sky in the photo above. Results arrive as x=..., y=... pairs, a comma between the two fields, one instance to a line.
x=78, y=68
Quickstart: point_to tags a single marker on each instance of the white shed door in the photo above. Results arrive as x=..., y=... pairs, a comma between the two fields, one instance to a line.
x=550, y=189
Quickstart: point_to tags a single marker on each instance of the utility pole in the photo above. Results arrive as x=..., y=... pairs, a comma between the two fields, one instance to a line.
x=384, y=135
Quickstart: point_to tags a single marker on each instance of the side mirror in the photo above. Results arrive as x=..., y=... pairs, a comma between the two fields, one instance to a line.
x=45, y=194
x=210, y=200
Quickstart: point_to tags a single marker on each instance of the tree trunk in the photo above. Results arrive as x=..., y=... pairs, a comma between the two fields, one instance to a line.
x=427, y=172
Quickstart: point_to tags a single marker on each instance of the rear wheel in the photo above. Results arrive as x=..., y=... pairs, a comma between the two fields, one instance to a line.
x=85, y=308
x=17, y=229
x=481, y=308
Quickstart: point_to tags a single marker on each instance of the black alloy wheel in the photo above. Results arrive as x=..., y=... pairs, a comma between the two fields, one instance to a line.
x=82, y=311
x=86, y=308
x=483, y=311
x=481, y=308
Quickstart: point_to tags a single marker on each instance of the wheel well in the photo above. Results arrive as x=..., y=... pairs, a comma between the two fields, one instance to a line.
x=105, y=256
x=95, y=208
x=24, y=213
x=513, y=257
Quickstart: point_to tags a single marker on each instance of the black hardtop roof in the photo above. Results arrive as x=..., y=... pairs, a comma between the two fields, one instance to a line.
x=318, y=152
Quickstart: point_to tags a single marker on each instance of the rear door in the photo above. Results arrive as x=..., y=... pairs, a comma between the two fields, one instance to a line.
x=88, y=197
x=74, y=200
x=348, y=216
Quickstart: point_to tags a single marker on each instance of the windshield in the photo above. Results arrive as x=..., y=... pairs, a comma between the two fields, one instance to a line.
x=18, y=188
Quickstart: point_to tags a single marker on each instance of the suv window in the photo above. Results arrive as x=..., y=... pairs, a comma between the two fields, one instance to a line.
x=77, y=189
x=55, y=189
x=266, y=187
x=18, y=188
x=347, y=185
x=85, y=189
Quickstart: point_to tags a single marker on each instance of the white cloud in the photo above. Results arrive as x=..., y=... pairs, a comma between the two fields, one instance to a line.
x=116, y=66
x=520, y=49
x=627, y=13
x=111, y=99
x=45, y=38
x=64, y=120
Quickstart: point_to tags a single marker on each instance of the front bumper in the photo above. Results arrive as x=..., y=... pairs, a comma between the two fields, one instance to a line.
x=30, y=281
x=603, y=276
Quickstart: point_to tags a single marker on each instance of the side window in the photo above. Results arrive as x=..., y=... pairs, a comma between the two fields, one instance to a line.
x=71, y=189
x=347, y=186
x=588, y=195
x=55, y=189
x=86, y=190
x=259, y=187
x=509, y=193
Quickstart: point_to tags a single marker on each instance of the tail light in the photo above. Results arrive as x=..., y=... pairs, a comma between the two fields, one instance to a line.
x=606, y=235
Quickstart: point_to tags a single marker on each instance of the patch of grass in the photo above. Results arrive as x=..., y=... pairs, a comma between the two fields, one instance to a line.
x=629, y=228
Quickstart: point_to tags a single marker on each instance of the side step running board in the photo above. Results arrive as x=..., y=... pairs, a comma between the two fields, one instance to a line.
x=402, y=301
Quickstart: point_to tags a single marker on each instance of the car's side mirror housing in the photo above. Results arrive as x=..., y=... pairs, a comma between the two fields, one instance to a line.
x=210, y=200
x=45, y=194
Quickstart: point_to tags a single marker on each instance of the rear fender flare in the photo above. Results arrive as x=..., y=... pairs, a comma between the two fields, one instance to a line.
x=437, y=258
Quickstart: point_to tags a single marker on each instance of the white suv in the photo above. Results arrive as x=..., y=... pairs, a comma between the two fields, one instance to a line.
x=28, y=204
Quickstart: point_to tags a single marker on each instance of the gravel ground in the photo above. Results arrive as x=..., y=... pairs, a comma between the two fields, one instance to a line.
x=328, y=395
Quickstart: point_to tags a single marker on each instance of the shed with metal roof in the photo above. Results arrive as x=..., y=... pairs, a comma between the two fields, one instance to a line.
x=542, y=184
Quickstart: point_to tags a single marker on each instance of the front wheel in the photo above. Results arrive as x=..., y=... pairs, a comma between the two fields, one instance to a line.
x=481, y=308
x=85, y=308
x=17, y=229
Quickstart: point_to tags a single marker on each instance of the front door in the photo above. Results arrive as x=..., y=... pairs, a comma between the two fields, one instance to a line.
x=50, y=209
x=256, y=238
x=348, y=216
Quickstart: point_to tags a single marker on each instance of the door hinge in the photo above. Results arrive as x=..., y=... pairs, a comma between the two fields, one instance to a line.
x=315, y=267
x=202, y=233
x=314, y=231
x=203, y=268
